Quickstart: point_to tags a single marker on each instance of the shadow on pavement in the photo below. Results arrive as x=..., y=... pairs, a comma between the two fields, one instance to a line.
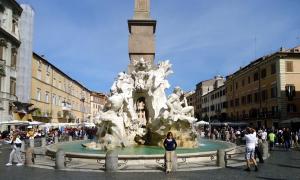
x=288, y=166
x=260, y=177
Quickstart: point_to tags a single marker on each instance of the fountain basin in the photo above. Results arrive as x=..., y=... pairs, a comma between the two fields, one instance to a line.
x=205, y=147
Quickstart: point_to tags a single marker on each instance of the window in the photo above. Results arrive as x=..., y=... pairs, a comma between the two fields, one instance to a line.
x=212, y=108
x=256, y=97
x=54, y=82
x=47, y=97
x=48, y=69
x=274, y=92
x=1, y=52
x=39, y=65
x=13, y=62
x=291, y=108
x=236, y=85
x=249, y=79
x=13, y=86
x=53, y=99
x=14, y=26
x=290, y=91
x=225, y=104
x=38, y=94
x=39, y=74
x=47, y=78
x=249, y=98
x=243, y=99
x=231, y=103
x=289, y=66
x=264, y=95
x=263, y=73
x=255, y=76
x=59, y=85
x=273, y=68
x=237, y=102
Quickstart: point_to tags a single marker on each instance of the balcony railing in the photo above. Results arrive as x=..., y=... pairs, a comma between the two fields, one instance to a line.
x=66, y=106
x=7, y=96
x=2, y=67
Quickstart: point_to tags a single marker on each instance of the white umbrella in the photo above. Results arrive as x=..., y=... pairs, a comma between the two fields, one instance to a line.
x=202, y=123
x=14, y=122
x=35, y=123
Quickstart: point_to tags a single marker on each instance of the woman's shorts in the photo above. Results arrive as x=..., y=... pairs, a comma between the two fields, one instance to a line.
x=249, y=154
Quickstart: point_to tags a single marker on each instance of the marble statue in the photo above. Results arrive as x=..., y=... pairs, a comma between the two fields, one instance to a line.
x=139, y=112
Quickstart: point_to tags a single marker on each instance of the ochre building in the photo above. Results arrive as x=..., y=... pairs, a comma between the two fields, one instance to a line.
x=58, y=97
x=267, y=91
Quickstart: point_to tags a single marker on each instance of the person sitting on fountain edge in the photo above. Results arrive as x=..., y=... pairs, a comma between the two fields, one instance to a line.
x=170, y=146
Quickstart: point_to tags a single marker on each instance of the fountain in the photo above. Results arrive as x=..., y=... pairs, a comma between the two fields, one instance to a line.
x=138, y=111
x=139, y=114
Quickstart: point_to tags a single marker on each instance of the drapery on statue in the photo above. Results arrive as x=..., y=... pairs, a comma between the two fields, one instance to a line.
x=178, y=107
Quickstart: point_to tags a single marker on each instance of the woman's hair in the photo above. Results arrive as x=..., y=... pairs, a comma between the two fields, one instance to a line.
x=14, y=137
x=169, y=134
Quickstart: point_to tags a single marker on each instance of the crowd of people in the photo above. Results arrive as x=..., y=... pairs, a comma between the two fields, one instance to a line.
x=282, y=137
x=252, y=139
x=50, y=133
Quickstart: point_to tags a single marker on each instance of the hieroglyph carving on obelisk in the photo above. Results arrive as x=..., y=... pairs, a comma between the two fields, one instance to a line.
x=142, y=9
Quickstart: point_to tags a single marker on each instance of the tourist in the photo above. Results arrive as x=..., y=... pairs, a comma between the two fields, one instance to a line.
x=272, y=137
x=250, y=137
x=287, y=139
x=258, y=148
x=16, y=151
x=170, y=146
x=264, y=135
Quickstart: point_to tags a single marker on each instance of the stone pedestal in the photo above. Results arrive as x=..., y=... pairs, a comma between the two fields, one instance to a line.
x=111, y=161
x=43, y=140
x=221, y=158
x=60, y=159
x=29, y=159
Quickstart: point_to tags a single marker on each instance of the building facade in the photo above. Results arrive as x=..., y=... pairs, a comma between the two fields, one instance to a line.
x=202, y=88
x=10, y=12
x=98, y=101
x=267, y=90
x=214, y=105
x=24, y=65
x=190, y=97
x=58, y=97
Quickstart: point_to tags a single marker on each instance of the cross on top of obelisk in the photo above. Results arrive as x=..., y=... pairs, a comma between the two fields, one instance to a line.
x=141, y=9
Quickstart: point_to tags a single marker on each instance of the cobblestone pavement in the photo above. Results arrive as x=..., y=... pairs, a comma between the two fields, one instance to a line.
x=281, y=165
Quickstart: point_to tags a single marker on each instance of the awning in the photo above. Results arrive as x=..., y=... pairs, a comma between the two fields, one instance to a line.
x=292, y=120
x=36, y=123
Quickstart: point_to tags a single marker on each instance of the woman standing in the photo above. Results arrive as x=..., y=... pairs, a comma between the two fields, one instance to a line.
x=170, y=146
x=16, y=151
x=250, y=137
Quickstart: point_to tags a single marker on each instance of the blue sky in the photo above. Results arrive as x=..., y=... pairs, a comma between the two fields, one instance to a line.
x=202, y=38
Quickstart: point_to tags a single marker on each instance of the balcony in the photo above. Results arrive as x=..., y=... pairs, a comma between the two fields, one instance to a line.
x=7, y=96
x=66, y=106
x=2, y=67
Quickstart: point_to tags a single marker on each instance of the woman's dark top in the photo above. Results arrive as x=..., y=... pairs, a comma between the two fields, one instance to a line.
x=170, y=144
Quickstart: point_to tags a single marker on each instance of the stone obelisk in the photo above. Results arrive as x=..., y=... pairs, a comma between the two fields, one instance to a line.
x=141, y=39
